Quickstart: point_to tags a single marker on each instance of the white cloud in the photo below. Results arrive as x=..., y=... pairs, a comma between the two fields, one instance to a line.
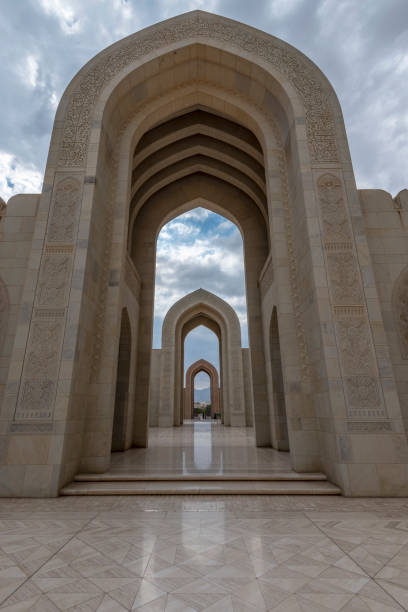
x=201, y=381
x=191, y=255
x=29, y=71
x=279, y=9
x=64, y=13
x=17, y=177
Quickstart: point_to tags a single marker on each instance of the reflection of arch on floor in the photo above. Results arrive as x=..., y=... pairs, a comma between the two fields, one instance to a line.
x=122, y=384
x=201, y=308
x=202, y=365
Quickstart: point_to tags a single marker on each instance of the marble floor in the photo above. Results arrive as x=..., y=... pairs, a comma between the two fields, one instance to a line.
x=201, y=447
x=214, y=554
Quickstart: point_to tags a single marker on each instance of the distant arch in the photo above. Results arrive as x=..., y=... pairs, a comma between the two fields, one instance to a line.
x=201, y=307
x=201, y=365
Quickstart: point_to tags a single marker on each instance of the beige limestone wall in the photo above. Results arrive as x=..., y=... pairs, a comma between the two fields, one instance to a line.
x=16, y=234
x=154, y=396
x=248, y=391
x=386, y=225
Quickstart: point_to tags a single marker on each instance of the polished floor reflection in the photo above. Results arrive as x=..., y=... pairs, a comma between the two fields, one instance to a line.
x=201, y=447
x=217, y=554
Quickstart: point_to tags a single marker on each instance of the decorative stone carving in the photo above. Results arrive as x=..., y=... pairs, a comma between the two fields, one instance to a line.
x=42, y=357
x=362, y=392
x=344, y=278
x=320, y=124
x=65, y=211
x=335, y=222
x=54, y=277
x=369, y=427
x=400, y=304
x=354, y=344
x=36, y=399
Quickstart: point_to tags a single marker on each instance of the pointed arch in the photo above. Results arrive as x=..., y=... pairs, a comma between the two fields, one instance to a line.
x=201, y=307
x=201, y=365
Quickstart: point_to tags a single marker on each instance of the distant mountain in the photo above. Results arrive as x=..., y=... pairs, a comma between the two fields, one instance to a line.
x=202, y=395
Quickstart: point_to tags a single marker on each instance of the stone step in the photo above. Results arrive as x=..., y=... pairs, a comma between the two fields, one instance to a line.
x=225, y=487
x=200, y=476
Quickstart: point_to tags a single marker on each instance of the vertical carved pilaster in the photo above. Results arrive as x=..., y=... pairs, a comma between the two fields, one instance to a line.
x=357, y=357
x=42, y=358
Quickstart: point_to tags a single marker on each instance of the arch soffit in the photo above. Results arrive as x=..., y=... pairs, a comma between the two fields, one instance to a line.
x=295, y=75
x=202, y=319
x=138, y=127
x=191, y=191
x=197, y=303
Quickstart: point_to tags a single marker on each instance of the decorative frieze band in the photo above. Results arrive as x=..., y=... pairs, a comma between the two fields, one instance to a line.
x=320, y=123
x=369, y=427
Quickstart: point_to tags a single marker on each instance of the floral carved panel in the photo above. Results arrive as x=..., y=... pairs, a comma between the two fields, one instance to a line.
x=333, y=212
x=320, y=123
x=65, y=211
x=344, y=278
x=54, y=278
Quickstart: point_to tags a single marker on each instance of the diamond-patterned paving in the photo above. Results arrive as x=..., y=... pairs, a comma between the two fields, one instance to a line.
x=212, y=554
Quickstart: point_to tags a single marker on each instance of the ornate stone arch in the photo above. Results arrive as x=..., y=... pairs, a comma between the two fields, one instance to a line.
x=400, y=308
x=274, y=91
x=202, y=365
x=201, y=307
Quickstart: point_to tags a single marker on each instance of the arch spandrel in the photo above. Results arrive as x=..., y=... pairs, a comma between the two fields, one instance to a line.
x=298, y=76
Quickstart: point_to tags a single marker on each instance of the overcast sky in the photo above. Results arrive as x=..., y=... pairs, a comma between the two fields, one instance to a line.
x=361, y=46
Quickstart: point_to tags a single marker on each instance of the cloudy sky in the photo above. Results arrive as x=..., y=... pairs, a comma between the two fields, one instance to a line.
x=361, y=45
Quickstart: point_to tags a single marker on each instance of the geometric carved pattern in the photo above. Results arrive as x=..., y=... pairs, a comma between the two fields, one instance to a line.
x=354, y=344
x=41, y=363
x=369, y=427
x=400, y=307
x=351, y=323
x=320, y=125
x=42, y=356
x=54, y=277
x=344, y=278
x=64, y=214
x=36, y=399
x=362, y=391
x=335, y=222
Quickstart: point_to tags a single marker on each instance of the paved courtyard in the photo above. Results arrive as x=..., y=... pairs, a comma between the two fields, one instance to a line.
x=212, y=554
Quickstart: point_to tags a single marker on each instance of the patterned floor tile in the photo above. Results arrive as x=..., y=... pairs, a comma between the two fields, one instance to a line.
x=217, y=555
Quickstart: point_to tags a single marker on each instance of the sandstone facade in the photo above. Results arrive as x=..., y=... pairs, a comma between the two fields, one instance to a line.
x=203, y=111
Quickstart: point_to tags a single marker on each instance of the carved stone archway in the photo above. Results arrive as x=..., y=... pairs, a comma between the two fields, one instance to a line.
x=202, y=365
x=286, y=165
x=201, y=308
